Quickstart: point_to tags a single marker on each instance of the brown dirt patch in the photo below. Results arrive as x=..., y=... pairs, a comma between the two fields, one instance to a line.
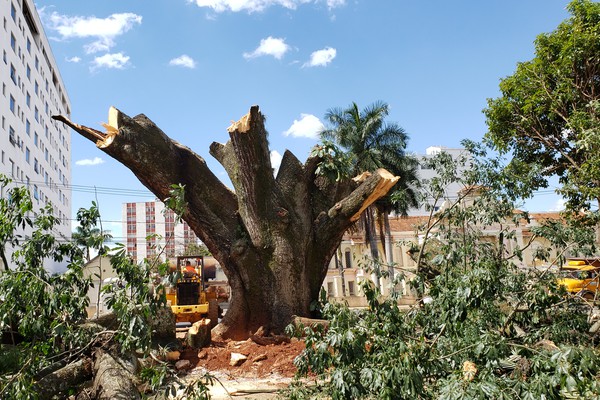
x=263, y=360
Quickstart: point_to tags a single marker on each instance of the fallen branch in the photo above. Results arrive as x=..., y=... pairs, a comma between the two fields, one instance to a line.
x=310, y=322
x=67, y=377
x=111, y=380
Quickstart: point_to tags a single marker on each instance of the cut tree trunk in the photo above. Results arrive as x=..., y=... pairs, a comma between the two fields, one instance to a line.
x=273, y=236
x=68, y=377
x=198, y=336
x=112, y=380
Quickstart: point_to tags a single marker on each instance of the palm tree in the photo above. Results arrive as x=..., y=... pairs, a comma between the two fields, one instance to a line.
x=372, y=143
x=86, y=238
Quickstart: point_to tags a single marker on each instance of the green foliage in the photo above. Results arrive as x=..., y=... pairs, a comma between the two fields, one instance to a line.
x=42, y=313
x=484, y=328
x=176, y=201
x=362, y=141
x=335, y=164
x=133, y=301
x=194, y=249
x=161, y=377
x=548, y=114
x=87, y=236
x=39, y=311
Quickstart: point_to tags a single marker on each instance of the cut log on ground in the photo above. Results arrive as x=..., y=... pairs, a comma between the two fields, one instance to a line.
x=112, y=380
x=63, y=379
x=198, y=335
x=302, y=322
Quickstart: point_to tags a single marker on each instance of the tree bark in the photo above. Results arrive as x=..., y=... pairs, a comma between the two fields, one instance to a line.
x=273, y=236
x=112, y=381
x=70, y=376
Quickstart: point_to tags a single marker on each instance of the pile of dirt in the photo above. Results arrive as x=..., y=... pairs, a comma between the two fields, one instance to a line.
x=263, y=360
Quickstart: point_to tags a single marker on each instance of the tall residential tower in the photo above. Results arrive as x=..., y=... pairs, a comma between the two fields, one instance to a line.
x=35, y=150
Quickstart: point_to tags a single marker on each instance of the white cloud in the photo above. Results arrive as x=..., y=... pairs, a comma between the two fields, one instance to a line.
x=259, y=5
x=270, y=46
x=183, y=61
x=335, y=3
x=73, y=59
x=559, y=205
x=275, y=161
x=308, y=126
x=321, y=58
x=116, y=60
x=87, y=161
x=104, y=30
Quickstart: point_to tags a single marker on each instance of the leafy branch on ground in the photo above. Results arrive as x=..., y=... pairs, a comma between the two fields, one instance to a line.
x=43, y=317
x=488, y=329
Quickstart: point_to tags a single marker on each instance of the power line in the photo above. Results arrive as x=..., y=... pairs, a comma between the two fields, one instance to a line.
x=146, y=193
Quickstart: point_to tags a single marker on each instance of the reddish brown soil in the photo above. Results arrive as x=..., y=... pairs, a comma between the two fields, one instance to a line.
x=263, y=360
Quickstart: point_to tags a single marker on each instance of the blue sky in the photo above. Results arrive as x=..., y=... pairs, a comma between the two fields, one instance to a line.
x=194, y=66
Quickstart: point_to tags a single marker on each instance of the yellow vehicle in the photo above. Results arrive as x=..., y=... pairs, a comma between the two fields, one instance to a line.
x=581, y=277
x=191, y=300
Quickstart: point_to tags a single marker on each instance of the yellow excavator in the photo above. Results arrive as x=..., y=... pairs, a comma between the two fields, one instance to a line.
x=191, y=299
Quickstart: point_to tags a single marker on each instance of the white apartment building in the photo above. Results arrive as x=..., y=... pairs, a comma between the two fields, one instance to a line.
x=149, y=228
x=35, y=150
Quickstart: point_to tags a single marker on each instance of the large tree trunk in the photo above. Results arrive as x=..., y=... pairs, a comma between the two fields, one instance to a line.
x=274, y=237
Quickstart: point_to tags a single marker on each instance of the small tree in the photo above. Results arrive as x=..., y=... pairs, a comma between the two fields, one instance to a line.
x=87, y=235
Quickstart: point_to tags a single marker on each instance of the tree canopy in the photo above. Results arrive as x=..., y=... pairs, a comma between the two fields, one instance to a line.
x=549, y=111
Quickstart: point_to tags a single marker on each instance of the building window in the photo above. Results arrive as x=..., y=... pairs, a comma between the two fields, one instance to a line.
x=28, y=46
x=348, y=256
x=36, y=165
x=37, y=64
x=36, y=115
x=11, y=136
x=12, y=167
x=4, y=56
x=13, y=74
x=36, y=194
x=13, y=42
x=27, y=155
x=330, y=289
x=28, y=100
x=35, y=139
x=351, y=288
x=28, y=72
x=36, y=87
x=27, y=127
x=13, y=12
x=12, y=104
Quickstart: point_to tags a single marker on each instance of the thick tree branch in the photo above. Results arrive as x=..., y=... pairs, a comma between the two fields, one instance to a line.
x=349, y=209
x=246, y=159
x=160, y=162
